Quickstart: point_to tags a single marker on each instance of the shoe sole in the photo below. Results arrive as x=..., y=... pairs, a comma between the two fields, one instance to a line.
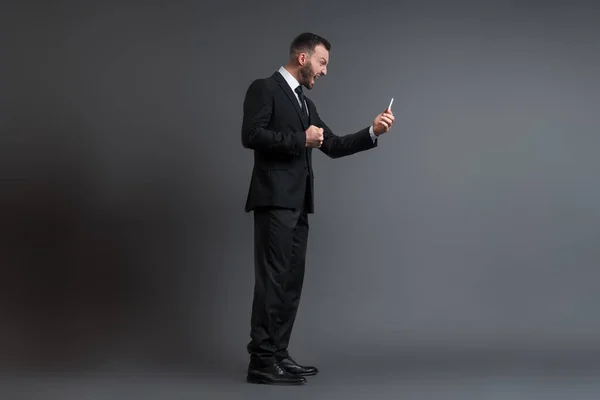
x=308, y=374
x=260, y=381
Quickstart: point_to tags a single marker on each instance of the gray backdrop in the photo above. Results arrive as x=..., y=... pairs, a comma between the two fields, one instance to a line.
x=471, y=230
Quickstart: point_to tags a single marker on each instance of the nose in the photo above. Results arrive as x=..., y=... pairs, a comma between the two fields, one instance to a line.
x=324, y=71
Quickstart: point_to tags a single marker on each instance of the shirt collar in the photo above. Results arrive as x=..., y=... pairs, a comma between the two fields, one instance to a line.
x=293, y=82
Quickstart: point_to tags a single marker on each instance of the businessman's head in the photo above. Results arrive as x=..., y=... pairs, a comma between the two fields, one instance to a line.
x=309, y=56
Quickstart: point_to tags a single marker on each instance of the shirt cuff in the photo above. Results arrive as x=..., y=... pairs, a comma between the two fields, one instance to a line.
x=373, y=137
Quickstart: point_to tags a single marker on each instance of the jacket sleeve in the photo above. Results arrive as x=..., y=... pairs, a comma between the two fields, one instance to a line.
x=335, y=146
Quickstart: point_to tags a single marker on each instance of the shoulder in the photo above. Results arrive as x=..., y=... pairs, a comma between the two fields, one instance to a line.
x=261, y=88
x=263, y=83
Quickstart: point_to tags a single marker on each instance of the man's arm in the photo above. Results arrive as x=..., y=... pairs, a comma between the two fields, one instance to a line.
x=336, y=146
x=258, y=108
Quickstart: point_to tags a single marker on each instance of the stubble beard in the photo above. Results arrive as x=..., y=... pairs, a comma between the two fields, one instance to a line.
x=306, y=74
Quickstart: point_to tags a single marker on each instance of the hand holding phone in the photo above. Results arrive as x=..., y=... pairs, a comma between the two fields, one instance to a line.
x=384, y=121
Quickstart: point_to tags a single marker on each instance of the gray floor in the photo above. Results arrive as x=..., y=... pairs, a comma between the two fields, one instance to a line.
x=438, y=377
x=324, y=387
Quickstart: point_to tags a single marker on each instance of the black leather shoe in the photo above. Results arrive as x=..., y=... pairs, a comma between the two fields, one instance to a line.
x=273, y=374
x=293, y=368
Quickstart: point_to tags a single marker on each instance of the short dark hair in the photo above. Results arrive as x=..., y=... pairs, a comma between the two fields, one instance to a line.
x=307, y=42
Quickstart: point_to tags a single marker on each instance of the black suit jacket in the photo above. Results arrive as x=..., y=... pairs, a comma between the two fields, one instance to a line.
x=274, y=127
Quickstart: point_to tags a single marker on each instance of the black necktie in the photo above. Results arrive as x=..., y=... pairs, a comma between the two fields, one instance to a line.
x=301, y=97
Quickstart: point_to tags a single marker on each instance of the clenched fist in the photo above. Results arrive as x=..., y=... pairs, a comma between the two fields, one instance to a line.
x=314, y=136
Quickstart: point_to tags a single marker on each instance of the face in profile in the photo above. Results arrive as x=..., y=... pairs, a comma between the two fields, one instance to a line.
x=314, y=67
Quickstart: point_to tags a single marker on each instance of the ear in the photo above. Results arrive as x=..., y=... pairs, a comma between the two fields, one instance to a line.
x=302, y=58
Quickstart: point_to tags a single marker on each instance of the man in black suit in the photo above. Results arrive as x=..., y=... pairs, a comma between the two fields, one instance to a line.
x=282, y=126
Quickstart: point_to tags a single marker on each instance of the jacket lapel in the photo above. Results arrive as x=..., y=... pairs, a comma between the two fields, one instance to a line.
x=311, y=111
x=291, y=96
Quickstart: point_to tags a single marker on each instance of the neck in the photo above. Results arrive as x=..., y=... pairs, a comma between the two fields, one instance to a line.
x=293, y=70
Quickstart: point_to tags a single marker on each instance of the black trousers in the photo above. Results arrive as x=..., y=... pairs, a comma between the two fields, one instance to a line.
x=280, y=241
